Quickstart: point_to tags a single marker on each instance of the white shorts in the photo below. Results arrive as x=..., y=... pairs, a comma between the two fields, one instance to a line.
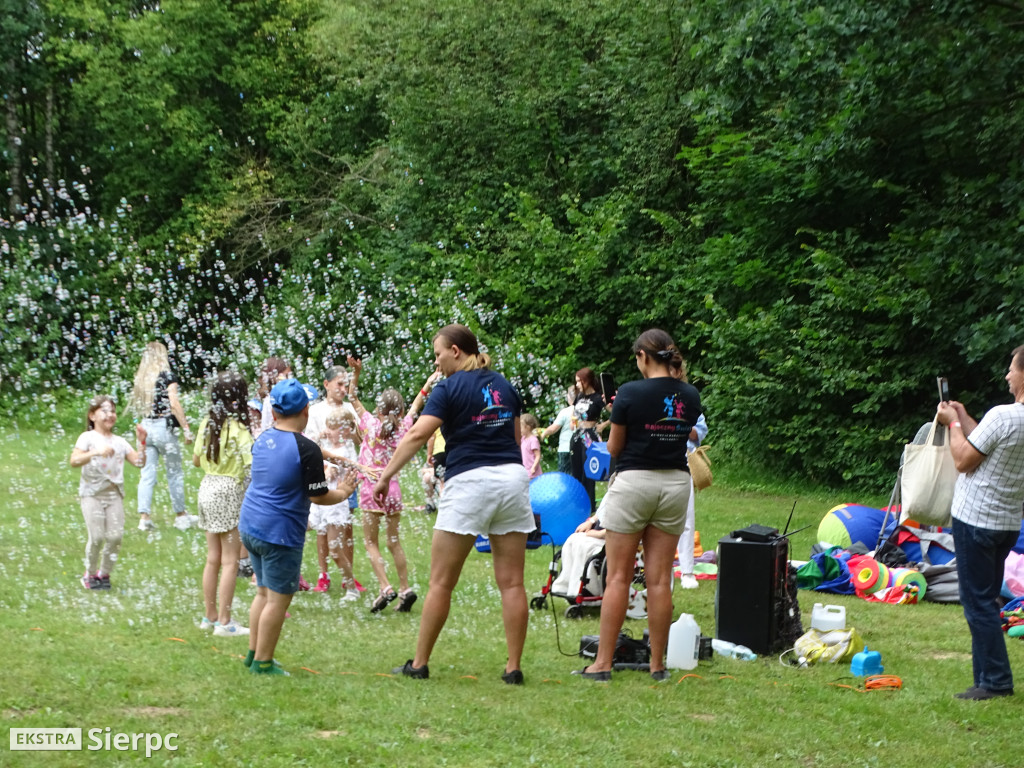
x=335, y=514
x=486, y=501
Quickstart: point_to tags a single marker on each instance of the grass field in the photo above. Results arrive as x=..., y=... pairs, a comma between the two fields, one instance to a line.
x=132, y=660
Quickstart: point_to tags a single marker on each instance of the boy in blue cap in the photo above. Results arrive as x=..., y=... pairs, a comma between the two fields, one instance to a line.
x=287, y=474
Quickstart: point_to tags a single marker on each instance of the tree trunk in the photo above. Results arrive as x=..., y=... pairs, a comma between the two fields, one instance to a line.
x=14, y=142
x=51, y=165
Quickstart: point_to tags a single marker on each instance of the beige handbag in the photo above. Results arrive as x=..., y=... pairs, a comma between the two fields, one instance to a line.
x=700, y=467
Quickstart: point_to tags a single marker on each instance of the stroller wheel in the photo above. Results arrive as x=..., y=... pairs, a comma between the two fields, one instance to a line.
x=538, y=602
x=574, y=612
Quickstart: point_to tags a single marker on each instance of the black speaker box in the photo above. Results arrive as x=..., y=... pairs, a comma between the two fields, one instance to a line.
x=751, y=592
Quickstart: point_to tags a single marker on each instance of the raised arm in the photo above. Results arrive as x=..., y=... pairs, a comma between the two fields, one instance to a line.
x=421, y=396
x=966, y=457
x=353, y=389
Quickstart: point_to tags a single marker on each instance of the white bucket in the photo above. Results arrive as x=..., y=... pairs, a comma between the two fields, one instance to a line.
x=828, y=617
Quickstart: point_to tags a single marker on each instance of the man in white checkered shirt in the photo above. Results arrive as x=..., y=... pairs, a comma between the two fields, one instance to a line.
x=987, y=506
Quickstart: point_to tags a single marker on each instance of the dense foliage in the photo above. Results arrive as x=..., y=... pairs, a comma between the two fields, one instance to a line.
x=822, y=203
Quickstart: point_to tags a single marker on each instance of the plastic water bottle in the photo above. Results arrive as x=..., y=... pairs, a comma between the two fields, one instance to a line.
x=683, y=643
x=725, y=648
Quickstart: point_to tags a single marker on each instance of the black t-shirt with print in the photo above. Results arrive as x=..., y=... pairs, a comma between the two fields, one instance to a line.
x=658, y=415
x=588, y=407
x=161, y=400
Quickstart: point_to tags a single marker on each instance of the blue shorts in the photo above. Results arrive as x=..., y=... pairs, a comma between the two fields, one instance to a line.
x=276, y=567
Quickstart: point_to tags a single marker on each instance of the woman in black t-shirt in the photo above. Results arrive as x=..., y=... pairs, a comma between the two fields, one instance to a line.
x=587, y=409
x=651, y=421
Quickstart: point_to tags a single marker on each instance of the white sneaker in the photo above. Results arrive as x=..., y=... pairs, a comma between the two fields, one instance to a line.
x=350, y=596
x=689, y=581
x=146, y=524
x=231, y=629
x=206, y=625
x=183, y=522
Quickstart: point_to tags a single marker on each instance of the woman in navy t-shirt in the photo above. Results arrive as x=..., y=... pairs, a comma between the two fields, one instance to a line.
x=486, y=490
x=651, y=421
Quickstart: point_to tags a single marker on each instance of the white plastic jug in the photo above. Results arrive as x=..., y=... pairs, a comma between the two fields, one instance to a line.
x=683, y=643
x=828, y=617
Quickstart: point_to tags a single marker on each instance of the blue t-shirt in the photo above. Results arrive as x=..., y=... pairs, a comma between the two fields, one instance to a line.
x=658, y=415
x=479, y=410
x=287, y=469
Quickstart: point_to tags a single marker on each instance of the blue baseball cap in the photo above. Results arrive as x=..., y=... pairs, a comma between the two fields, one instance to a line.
x=288, y=397
x=311, y=392
x=255, y=404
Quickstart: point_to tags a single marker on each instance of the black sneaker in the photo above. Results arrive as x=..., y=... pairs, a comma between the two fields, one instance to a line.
x=982, y=694
x=515, y=677
x=408, y=670
x=104, y=581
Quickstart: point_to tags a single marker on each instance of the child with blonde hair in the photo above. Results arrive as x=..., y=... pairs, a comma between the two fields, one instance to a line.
x=155, y=400
x=530, y=444
x=333, y=524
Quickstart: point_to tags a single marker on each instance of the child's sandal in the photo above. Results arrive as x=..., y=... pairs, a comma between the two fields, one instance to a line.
x=405, y=601
x=382, y=601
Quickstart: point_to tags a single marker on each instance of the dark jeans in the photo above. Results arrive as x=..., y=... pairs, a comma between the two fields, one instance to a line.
x=578, y=456
x=980, y=559
x=565, y=462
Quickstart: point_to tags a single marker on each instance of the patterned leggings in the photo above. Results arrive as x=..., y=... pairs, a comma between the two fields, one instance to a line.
x=104, y=519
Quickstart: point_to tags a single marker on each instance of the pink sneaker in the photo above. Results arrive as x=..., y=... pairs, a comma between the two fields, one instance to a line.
x=303, y=584
x=359, y=586
x=322, y=585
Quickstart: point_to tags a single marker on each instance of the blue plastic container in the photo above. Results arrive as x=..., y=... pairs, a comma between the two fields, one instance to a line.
x=866, y=663
x=598, y=461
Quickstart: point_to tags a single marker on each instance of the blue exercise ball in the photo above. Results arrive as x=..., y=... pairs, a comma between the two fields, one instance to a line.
x=561, y=502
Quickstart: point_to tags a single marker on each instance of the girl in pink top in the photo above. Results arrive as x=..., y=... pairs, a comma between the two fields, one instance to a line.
x=380, y=432
x=530, y=445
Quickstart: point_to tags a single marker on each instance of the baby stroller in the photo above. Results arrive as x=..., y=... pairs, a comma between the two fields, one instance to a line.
x=579, y=574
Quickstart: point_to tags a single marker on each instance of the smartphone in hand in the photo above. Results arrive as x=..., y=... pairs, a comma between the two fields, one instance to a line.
x=943, y=385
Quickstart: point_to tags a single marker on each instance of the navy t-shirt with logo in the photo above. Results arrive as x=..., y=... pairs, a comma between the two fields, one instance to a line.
x=479, y=410
x=287, y=469
x=658, y=415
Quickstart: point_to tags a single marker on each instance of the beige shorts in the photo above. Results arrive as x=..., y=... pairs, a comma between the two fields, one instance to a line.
x=487, y=501
x=643, y=497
